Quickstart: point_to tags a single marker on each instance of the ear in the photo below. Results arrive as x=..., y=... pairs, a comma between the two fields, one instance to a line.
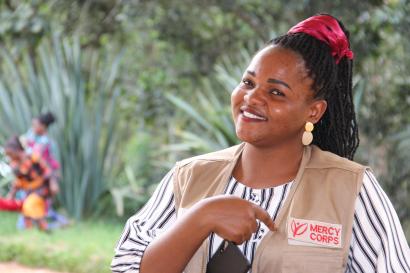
x=316, y=110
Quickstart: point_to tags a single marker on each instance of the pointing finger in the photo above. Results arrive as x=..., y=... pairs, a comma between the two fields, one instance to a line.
x=264, y=216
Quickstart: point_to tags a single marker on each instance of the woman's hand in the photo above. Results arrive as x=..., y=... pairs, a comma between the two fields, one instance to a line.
x=233, y=218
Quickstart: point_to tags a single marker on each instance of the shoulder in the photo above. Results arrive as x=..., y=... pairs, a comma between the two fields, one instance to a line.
x=44, y=139
x=225, y=155
x=373, y=192
x=327, y=166
x=377, y=229
x=325, y=160
x=194, y=175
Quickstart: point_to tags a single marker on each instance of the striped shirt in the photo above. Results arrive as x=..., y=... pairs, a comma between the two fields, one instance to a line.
x=378, y=243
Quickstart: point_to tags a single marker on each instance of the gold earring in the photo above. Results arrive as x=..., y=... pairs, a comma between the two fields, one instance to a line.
x=307, y=134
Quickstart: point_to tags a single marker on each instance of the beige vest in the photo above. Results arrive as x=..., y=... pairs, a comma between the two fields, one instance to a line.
x=325, y=190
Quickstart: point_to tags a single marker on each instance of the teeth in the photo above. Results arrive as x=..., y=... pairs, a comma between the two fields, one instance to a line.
x=250, y=115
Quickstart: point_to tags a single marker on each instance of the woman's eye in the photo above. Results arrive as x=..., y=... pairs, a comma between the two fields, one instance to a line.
x=276, y=92
x=247, y=82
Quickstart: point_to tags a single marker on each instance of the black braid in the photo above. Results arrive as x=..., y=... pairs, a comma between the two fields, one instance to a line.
x=337, y=130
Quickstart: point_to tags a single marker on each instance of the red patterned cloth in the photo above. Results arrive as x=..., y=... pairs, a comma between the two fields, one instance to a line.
x=326, y=29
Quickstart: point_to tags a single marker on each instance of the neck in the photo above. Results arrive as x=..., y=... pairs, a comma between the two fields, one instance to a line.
x=262, y=167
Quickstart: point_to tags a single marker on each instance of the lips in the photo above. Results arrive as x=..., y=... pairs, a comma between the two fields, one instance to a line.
x=252, y=114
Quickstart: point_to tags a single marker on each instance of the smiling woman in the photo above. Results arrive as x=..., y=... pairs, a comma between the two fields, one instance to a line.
x=289, y=195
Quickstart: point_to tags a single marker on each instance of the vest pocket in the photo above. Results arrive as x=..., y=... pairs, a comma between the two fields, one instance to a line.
x=312, y=261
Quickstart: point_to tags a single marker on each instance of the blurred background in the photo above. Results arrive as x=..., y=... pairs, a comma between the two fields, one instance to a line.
x=136, y=85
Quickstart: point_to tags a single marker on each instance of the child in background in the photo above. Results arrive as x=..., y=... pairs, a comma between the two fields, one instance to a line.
x=38, y=143
x=30, y=190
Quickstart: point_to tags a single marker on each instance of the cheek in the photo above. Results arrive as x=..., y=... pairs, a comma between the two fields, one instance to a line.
x=287, y=116
x=281, y=111
x=235, y=96
x=236, y=99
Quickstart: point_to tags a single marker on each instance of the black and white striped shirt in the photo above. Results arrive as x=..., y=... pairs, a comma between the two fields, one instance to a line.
x=378, y=243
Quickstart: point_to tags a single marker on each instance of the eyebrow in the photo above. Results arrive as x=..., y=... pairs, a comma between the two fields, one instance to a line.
x=271, y=80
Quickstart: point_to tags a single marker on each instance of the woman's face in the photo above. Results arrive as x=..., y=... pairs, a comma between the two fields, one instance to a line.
x=38, y=127
x=274, y=99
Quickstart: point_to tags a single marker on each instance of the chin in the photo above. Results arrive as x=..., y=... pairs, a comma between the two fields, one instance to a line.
x=248, y=137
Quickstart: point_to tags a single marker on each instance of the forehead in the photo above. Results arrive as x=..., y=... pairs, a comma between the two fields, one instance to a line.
x=282, y=63
x=36, y=122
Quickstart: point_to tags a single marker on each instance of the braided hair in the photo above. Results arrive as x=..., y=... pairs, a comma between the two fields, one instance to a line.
x=337, y=130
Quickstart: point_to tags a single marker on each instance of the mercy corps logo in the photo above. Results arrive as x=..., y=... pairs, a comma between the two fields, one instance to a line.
x=298, y=228
x=314, y=232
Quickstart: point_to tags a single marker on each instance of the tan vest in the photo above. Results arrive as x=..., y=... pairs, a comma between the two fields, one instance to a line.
x=325, y=190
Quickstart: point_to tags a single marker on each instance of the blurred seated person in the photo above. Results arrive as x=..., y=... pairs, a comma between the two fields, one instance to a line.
x=30, y=189
x=37, y=142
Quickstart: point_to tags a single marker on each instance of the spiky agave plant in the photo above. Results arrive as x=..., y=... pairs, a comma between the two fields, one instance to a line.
x=80, y=89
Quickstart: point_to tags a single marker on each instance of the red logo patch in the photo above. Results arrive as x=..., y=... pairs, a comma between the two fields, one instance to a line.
x=298, y=228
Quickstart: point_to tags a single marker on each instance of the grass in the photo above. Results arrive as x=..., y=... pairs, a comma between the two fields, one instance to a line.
x=83, y=247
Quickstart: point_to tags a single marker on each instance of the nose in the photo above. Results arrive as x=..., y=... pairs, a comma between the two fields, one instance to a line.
x=253, y=97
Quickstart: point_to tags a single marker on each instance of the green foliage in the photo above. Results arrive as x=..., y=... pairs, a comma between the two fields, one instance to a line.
x=133, y=186
x=80, y=248
x=398, y=179
x=82, y=94
x=21, y=25
x=213, y=130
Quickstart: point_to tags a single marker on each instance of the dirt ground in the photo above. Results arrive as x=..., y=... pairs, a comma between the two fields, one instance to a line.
x=12, y=267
